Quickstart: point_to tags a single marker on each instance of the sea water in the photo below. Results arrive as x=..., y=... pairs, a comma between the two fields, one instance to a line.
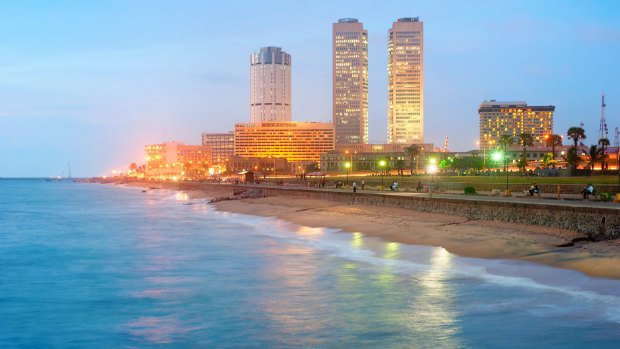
x=103, y=266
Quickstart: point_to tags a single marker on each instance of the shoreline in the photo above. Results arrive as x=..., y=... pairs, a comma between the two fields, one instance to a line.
x=458, y=235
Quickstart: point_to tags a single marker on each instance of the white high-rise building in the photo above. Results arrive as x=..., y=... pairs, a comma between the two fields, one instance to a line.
x=350, y=82
x=406, y=82
x=270, y=90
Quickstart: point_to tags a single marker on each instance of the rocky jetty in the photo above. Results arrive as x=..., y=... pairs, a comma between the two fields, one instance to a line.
x=240, y=193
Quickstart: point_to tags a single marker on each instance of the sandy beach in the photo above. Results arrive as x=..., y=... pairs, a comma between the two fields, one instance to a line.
x=480, y=239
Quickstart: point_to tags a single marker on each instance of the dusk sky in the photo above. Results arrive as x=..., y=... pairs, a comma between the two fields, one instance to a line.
x=92, y=82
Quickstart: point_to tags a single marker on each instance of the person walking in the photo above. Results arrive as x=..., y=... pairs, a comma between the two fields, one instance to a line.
x=354, y=187
x=363, y=184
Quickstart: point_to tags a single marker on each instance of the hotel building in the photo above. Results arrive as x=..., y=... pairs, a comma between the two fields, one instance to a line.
x=177, y=160
x=513, y=118
x=270, y=89
x=222, y=146
x=298, y=142
x=350, y=82
x=406, y=81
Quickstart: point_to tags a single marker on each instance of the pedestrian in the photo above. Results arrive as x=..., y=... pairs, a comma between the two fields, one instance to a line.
x=354, y=187
x=363, y=185
x=587, y=191
x=534, y=189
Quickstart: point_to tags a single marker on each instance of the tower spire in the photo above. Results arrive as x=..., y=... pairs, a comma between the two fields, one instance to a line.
x=602, y=132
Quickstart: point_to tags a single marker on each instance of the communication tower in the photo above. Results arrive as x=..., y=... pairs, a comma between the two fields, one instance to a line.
x=602, y=132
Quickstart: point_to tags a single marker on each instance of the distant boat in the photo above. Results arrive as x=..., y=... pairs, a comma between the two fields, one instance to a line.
x=60, y=178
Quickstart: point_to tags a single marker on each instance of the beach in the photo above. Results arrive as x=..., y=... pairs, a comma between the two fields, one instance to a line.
x=467, y=238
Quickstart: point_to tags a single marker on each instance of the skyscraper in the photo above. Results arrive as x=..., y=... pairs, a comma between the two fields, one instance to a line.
x=270, y=90
x=406, y=81
x=350, y=82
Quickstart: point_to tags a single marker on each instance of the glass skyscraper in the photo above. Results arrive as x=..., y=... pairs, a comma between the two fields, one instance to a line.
x=350, y=82
x=406, y=82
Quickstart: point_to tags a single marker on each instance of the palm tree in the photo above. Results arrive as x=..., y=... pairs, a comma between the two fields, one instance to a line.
x=572, y=158
x=576, y=134
x=594, y=155
x=413, y=151
x=603, y=143
x=553, y=141
x=505, y=141
x=525, y=140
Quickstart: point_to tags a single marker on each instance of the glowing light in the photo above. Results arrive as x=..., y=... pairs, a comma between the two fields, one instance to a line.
x=356, y=240
x=432, y=168
x=497, y=156
x=347, y=165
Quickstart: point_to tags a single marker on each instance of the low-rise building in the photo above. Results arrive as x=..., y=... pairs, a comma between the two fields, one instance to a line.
x=222, y=146
x=172, y=160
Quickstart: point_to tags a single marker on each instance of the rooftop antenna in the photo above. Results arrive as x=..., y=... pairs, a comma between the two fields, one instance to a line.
x=602, y=131
x=445, y=145
x=617, y=138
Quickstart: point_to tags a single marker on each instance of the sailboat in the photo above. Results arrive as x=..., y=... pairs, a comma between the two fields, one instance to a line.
x=59, y=178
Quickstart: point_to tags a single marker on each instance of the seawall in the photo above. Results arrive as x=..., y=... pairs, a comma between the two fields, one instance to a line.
x=597, y=222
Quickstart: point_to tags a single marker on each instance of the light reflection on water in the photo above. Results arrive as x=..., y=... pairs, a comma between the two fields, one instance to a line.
x=159, y=269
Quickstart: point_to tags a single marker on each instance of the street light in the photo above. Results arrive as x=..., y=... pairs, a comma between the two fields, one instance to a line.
x=347, y=165
x=497, y=156
x=432, y=168
x=382, y=165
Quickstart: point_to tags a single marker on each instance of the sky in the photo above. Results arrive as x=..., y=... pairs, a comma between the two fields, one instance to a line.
x=92, y=82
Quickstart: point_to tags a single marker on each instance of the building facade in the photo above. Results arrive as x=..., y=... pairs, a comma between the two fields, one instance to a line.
x=172, y=160
x=298, y=142
x=513, y=118
x=366, y=159
x=222, y=146
x=406, y=81
x=270, y=89
x=350, y=82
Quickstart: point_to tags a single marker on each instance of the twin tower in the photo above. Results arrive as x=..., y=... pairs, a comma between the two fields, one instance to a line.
x=271, y=83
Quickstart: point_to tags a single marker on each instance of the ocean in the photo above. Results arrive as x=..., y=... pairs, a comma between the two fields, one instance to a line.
x=104, y=266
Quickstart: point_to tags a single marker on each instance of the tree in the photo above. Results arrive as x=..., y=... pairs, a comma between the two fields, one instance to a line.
x=553, y=141
x=312, y=167
x=603, y=144
x=594, y=155
x=505, y=141
x=548, y=160
x=572, y=158
x=413, y=151
x=525, y=140
x=576, y=134
x=400, y=165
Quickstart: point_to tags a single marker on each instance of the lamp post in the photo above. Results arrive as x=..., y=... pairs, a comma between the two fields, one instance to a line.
x=381, y=166
x=497, y=156
x=432, y=168
x=484, y=155
x=347, y=165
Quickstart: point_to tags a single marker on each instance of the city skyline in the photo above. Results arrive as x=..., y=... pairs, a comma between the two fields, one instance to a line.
x=75, y=89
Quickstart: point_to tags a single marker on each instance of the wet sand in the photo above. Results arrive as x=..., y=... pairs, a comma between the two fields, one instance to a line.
x=480, y=239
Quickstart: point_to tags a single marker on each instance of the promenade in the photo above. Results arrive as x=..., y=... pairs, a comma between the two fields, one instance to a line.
x=545, y=199
x=597, y=219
